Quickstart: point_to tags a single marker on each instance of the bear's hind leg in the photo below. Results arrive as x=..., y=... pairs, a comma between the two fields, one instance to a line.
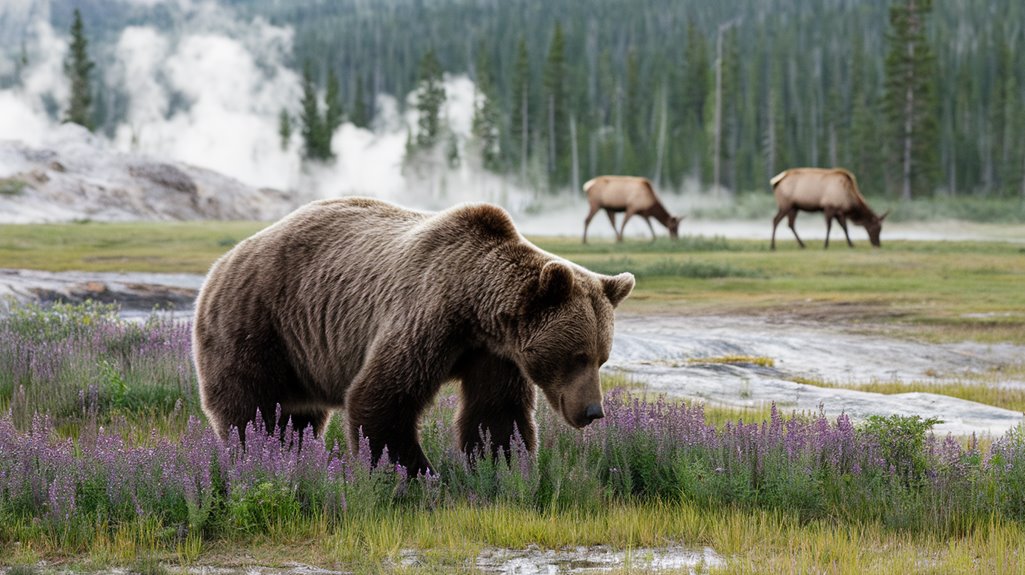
x=301, y=419
x=235, y=383
x=495, y=399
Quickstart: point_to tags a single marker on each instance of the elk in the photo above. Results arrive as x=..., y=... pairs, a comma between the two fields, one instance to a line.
x=833, y=191
x=635, y=196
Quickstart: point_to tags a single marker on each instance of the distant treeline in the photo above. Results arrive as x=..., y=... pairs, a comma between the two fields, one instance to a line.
x=629, y=86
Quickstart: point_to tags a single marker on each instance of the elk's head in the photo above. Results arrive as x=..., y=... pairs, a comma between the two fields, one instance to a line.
x=874, y=226
x=673, y=224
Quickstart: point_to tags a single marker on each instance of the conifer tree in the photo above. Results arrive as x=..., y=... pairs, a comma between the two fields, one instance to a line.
x=519, y=121
x=360, y=114
x=485, y=113
x=332, y=104
x=910, y=98
x=429, y=100
x=285, y=128
x=316, y=138
x=555, y=104
x=78, y=67
x=697, y=85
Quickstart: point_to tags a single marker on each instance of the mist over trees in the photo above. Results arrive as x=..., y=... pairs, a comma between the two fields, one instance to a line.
x=628, y=86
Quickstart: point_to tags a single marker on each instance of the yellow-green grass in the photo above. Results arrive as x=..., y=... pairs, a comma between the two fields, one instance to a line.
x=939, y=291
x=734, y=360
x=120, y=247
x=449, y=538
x=987, y=388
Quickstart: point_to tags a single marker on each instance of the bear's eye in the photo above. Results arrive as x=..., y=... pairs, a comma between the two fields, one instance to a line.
x=581, y=360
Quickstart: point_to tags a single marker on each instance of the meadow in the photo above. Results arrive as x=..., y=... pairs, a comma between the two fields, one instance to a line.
x=106, y=460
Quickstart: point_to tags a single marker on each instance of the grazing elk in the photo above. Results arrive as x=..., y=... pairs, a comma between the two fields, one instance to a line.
x=832, y=191
x=631, y=195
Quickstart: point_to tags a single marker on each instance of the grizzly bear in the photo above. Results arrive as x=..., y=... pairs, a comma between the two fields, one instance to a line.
x=361, y=305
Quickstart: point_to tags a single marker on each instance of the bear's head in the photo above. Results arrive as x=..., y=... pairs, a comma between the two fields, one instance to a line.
x=566, y=335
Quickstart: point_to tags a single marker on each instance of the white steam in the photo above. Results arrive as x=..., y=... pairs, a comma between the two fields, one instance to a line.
x=23, y=113
x=211, y=93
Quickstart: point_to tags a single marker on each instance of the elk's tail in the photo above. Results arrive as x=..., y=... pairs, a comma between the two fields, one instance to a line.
x=778, y=178
x=589, y=183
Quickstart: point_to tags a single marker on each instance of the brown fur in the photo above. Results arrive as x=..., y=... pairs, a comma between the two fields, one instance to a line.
x=631, y=195
x=831, y=191
x=363, y=305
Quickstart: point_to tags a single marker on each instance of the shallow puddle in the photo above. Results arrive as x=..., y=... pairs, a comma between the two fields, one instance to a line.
x=536, y=561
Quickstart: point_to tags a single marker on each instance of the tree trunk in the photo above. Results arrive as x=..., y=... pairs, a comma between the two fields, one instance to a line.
x=718, y=113
x=770, y=137
x=551, y=137
x=909, y=111
x=573, y=151
x=619, y=127
x=661, y=146
x=524, y=136
x=1023, y=178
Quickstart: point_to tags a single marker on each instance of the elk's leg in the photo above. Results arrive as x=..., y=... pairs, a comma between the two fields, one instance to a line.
x=843, y=224
x=587, y=220
x=622, y=228
x=829, y=226
x=791, y=216
x=647, y=220
x=612, y=220
x=775, y=222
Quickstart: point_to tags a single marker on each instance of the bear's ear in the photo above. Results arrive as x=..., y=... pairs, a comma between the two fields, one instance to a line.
x=555, y=284
x=617, y=287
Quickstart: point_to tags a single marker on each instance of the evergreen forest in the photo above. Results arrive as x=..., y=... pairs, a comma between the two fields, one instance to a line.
x=916, y=98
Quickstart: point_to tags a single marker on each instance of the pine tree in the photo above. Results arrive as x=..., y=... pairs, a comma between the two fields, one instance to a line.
x=632, y=115
x=519, y=120
x=316, y=138
x=78, y=67
x=332, y=104
x=285, y=128
x=485, y=114
x=555, y=102
x=910, y=98
x=697, y=79
x=697, y=85
x=360, y=114
x=429, y=100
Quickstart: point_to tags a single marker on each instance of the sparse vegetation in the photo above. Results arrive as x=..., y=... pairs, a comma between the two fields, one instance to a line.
x=12, y=186
x=97, y=461
x=78, y=385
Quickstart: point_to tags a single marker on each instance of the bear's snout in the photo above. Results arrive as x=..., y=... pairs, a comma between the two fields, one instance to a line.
x=594, y=411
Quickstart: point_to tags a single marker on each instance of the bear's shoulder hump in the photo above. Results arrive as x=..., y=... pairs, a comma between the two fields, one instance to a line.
x=487, y=219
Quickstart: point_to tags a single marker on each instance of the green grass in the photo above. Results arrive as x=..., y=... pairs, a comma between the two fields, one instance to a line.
x=918, y=289
x=120, y=247
x=939, y=291
x=448, y=540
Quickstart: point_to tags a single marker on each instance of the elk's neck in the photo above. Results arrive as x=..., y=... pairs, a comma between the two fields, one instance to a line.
x=658, y=211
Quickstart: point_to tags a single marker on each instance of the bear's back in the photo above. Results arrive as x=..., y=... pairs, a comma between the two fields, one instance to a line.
x=329, y=278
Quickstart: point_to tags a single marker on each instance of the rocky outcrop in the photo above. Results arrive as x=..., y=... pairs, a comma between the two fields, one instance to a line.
x=76, y=176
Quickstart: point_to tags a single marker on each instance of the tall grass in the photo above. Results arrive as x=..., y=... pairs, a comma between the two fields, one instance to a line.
x=95, y=459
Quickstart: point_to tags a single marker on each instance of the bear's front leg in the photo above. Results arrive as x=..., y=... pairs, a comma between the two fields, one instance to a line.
x=495, y=398
x=387, y=416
